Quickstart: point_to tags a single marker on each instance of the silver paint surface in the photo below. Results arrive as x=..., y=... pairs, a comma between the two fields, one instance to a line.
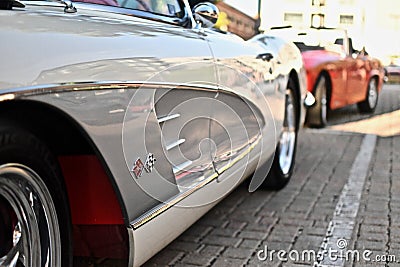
x=84, y=64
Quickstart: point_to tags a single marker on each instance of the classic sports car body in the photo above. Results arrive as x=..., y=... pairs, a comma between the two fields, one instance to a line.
x=392, y=73
x=119, y=127
x=337, y=74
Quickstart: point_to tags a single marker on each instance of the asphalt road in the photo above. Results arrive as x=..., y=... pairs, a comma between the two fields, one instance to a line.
x=343, y=198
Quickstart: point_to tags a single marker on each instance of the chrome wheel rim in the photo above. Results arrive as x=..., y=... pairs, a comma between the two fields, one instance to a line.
x=323, y=100
x=288, y=137
x=372, y=94
x=35, y=234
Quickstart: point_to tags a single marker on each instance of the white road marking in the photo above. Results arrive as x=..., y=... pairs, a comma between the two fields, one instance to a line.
x=329, y=131
x=342, y=225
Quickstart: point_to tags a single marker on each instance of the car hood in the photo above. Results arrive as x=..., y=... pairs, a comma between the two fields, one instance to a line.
x=42, y=45
x=316, y=57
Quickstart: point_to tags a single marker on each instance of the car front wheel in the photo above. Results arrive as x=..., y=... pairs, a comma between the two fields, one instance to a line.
x=34, y=220
x=284, y=158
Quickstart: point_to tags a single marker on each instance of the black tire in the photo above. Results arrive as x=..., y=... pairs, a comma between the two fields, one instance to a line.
x=284, y=158
x=371, y=98
x=29, y=171
x=317, y=115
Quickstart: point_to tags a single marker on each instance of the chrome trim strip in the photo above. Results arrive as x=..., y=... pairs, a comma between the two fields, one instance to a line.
x=181, y=167
x=148, y=216
x=173, y=201
x=168, y=117
x=131, y=246
x=104, y=85
x=241, y=156
x=175, y=144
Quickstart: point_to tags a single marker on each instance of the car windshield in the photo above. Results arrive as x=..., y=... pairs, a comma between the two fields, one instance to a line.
x=314, y=39
x=170, y=8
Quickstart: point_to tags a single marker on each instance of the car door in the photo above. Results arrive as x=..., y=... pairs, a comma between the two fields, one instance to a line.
x=159, y=76
x=248, y=108
x=182, y=103
x=356, y=75
x=353, y=73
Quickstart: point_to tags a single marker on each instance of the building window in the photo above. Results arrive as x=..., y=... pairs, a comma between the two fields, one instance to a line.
x=293, y=17
x=346, y=19
x=317, y=20
x=318, y=2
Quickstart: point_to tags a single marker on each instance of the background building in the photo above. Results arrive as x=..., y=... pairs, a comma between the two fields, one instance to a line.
x=372, y=23
x=237, y=22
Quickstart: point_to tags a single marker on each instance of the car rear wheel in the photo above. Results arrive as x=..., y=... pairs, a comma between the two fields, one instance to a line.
x=371, y=99
x=317, y=115
x=284, y=158
x=35, y=223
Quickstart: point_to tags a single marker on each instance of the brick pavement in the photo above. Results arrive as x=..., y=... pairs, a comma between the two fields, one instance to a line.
x=293, y=218
x=378, y=224
x=297, y=217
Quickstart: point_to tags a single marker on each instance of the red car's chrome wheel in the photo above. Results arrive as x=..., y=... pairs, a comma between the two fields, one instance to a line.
x=371, y=99
x=317, y=115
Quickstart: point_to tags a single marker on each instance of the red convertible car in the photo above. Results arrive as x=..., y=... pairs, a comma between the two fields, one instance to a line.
x=337, y=74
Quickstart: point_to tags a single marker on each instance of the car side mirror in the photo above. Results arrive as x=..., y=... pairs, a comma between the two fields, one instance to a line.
x=206, y=14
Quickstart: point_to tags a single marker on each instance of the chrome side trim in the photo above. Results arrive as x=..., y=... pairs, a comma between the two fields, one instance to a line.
x=104, y=85
x=148, y=216
x=131, y=246
x=168, y=117
x=175, y=144
x=181, y=167
x=241, y=156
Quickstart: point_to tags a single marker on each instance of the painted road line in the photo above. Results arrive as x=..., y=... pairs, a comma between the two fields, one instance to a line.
x=341, y=227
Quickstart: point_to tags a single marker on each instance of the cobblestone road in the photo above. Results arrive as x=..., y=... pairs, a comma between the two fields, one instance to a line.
x=297, y=218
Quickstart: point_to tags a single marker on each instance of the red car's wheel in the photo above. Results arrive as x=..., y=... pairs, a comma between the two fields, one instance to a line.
x=371, y=99
x=317, y=115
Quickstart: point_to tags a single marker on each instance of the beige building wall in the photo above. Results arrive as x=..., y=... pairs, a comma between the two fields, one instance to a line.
x=374, y=24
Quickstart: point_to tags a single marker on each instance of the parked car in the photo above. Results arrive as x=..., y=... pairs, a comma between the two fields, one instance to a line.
x=392, y=73
x=337, y=74
x=122, y=123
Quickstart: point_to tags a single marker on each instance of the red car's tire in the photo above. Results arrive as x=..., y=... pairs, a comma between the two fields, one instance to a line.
x=317, y=115
x=371, y=98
